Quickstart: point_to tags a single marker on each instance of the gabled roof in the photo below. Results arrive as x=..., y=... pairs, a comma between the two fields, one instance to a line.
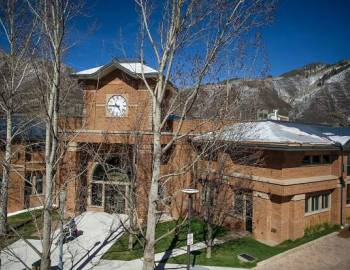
x=283, y=133
x=134, y=68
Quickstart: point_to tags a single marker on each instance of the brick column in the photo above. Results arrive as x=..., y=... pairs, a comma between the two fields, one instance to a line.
x=277, y=218
x=70, y=177
x=297, y=217
x=335, y=205
x=182, y=157
x=261, y=217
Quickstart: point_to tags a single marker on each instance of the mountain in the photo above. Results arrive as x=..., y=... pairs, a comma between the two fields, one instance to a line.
x=315, y=93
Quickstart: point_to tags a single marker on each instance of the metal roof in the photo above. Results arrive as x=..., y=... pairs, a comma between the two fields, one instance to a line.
x=134, y=68
x=278, y=133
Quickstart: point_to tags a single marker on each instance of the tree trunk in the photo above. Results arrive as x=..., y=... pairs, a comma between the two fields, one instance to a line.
x=46, y=237
x=131, y=227
x=210, y=240
x=131, y=241
x=148, y=254
x=6, y=175
x=50, y=154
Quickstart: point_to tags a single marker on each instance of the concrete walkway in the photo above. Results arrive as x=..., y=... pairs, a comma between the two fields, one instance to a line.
x=331, y=252
x=100, y=231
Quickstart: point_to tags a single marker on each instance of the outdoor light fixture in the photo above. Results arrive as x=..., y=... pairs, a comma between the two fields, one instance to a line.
x=189, y=192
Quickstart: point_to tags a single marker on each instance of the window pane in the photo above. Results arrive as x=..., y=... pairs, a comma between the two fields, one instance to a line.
x=314, y=204
x=238, y=203
x=326, y=159
x=348, y=194
x=307, y=160
x=96, y=194
x=39, y=183
x=307, y=205
x=316, y=159
x=161, y=192
x=28, y=184
x=325, y=198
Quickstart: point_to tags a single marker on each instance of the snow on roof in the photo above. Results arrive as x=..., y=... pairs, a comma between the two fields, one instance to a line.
x=137, y=68
x=132, y=67
x=89, y=71
x=274, y=132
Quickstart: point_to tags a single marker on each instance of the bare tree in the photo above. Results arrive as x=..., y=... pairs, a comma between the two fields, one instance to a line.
x=18, y=27
x=53, y=17
x=217, y=192
x=199, y=33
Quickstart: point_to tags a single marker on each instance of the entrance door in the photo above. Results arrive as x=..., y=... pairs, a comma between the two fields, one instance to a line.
x=115, y=199
x=249, y=212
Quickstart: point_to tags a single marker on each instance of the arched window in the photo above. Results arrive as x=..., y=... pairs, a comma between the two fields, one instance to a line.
x=109, y=173
x=109, y=186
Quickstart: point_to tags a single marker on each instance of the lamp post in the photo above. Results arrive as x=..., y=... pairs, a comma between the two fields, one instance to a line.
x=189, y=192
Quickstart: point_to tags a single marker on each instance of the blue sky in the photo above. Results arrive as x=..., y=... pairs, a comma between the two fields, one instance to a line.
x=304, y=31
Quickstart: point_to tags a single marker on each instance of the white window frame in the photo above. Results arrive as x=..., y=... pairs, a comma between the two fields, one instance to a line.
x=318, y=197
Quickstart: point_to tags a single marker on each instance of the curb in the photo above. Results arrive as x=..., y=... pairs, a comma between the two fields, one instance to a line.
x=293, y=250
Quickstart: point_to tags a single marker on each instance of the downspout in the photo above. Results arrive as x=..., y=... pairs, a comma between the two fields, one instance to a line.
x=342, y=182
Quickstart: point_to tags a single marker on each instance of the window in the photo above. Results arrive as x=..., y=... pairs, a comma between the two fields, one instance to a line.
x=34, y=152
x=325, y=201
x=307, y=160
x=247, y=157
x=348, y=194
x=317, y=159
x=161, y=191
x=34, y=183
x=317, y=203
x=28, y=156
x=96, y=194
x=110, y=184
x=326, y=159
x=167, y=155
x=238, y=203
x=39, y=183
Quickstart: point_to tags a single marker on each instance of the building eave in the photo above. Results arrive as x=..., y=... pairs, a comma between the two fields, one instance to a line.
x=106, y=69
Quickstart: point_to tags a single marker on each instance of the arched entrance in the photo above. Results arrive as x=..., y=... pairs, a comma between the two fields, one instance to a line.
x=109, y=188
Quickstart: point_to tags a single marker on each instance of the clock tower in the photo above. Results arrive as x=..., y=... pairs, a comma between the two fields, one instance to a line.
x=116, y=99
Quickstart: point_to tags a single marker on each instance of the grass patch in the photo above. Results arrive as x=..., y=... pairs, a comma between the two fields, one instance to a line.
x=226, y=254
x=119, y=251
x=26, y=224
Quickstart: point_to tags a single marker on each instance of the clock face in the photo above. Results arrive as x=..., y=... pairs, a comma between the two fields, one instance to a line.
x=117, y=106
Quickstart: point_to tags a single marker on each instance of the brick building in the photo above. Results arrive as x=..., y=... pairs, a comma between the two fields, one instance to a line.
x=293, y=176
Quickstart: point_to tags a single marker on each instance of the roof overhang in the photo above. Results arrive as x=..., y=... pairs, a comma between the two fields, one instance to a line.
x=110, y=67
x=277, y=146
